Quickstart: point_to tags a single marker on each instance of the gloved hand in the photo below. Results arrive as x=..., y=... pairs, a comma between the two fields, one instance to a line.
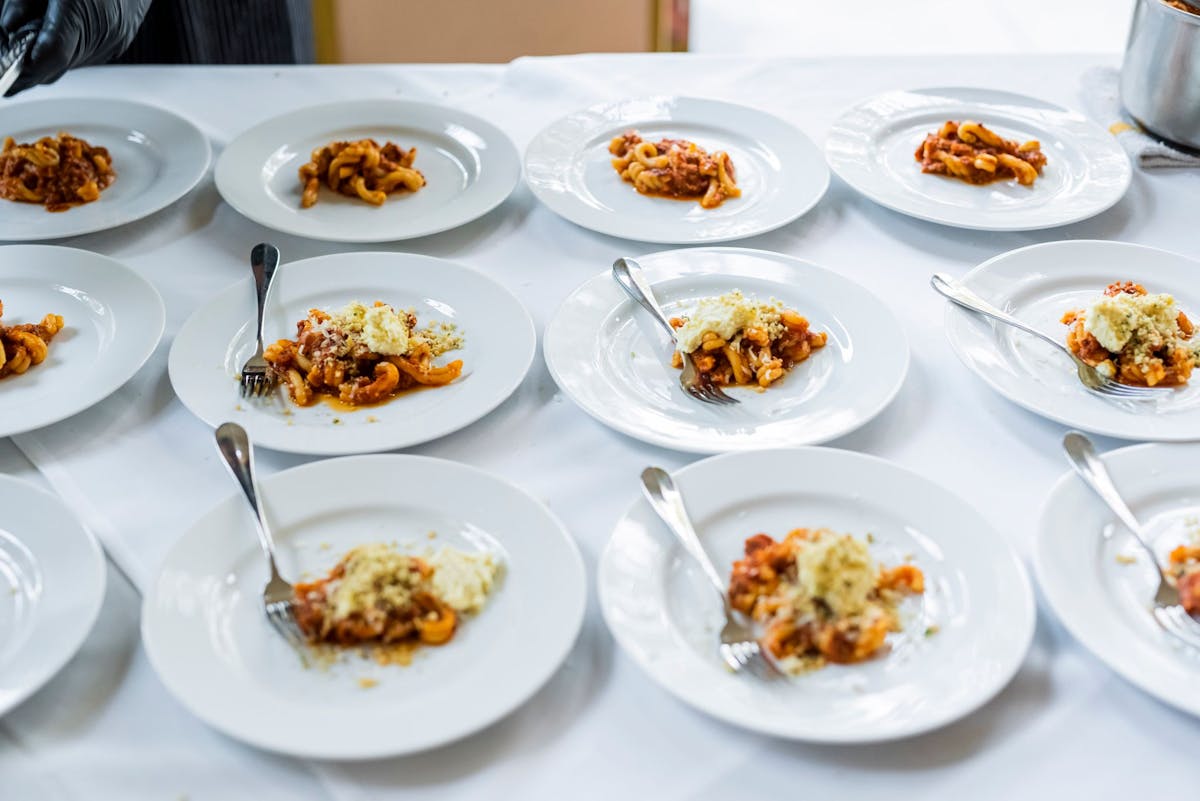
x=74, y=33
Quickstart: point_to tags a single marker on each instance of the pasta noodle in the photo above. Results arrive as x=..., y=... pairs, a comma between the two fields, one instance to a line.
x=975, y=154
x=23, y=346
x=1184, y=572
x=56, y=172
x=675, y=168
x=361, y=356
x=360, y=169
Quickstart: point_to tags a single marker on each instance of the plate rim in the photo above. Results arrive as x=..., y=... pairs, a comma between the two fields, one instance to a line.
x=1004, y=677
x=954, y=313
x=510, y=158
x=549, y=199
x=185, y=187
x=528, y=329
x=100, y=577
x=1089, y=643
x=619, y=425
x=151, y=343
x=553, y=666
x=1000, y=227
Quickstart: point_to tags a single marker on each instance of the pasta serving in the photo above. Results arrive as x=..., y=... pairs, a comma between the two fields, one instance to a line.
x=1184, y=572
x=675, y=168
x=1134, y=337
x=736, y=341
x=360, y=169
x=820, y=597
x=970, y=152
x=56, y=172
x=22, y=346
x=362, y=355
x=377, y=596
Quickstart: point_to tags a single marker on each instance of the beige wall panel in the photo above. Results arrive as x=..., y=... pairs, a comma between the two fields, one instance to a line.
x=483, y=30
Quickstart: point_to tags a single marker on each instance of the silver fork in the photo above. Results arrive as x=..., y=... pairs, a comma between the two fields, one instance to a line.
x=1167, y=610
x=629, y=274
x=257, y=377
x=1088, y=375
x=739, y=647
x=278, y=595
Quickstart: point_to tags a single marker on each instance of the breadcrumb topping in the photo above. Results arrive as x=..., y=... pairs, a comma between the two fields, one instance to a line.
x=839, y=570
x=1147, y=323
x=385, y=331
x=375, y=577
x=728, y=316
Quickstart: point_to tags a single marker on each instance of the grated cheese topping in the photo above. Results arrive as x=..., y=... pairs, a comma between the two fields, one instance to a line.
x=384, y=330
x=1146, y=323
x=727, y=316
x=837, y=569
x=376, y=577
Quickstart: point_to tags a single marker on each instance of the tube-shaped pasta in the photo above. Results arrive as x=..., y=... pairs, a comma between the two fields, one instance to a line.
x=1025, y=173
x=360, y=169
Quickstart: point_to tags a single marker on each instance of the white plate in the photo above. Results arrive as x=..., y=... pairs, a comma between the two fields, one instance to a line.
x=205, y=633
x=113, y=322
x=51, y=588
x=665, y=616
x=1037, y=284
x=612, y=360
x=780, y=171
x=871, y=148
x=1105, y=604
x=158, y=157
x=470, y=167
x=499, y=342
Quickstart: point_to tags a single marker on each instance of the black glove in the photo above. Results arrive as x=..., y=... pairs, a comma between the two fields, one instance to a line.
x=74, y=33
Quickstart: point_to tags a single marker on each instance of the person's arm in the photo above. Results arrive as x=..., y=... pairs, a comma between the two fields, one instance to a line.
x=74, y=33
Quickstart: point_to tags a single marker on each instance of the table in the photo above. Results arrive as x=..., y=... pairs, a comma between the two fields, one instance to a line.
x=139, y=468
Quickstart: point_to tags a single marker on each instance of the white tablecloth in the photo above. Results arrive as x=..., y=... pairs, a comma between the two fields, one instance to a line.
x=139, y=468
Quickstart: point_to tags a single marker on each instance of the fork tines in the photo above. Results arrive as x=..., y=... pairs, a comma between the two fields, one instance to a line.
x=282, y=619
x=1179, y=623
x=748, y=655
x=256, y=384
x=710, y=394
x=1119, y=390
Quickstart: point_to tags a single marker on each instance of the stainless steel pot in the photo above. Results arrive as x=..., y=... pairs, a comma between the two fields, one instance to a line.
x=1160, y=80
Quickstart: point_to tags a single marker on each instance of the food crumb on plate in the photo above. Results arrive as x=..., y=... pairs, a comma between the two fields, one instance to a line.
x=367, y=682
x=1126, y=559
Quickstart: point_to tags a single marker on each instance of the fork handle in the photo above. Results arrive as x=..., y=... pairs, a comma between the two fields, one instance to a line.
x=632, y=278
x=666, y=500
x=1082, y=455
x=264, y=259
x=955, y=292
x=234, y=447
